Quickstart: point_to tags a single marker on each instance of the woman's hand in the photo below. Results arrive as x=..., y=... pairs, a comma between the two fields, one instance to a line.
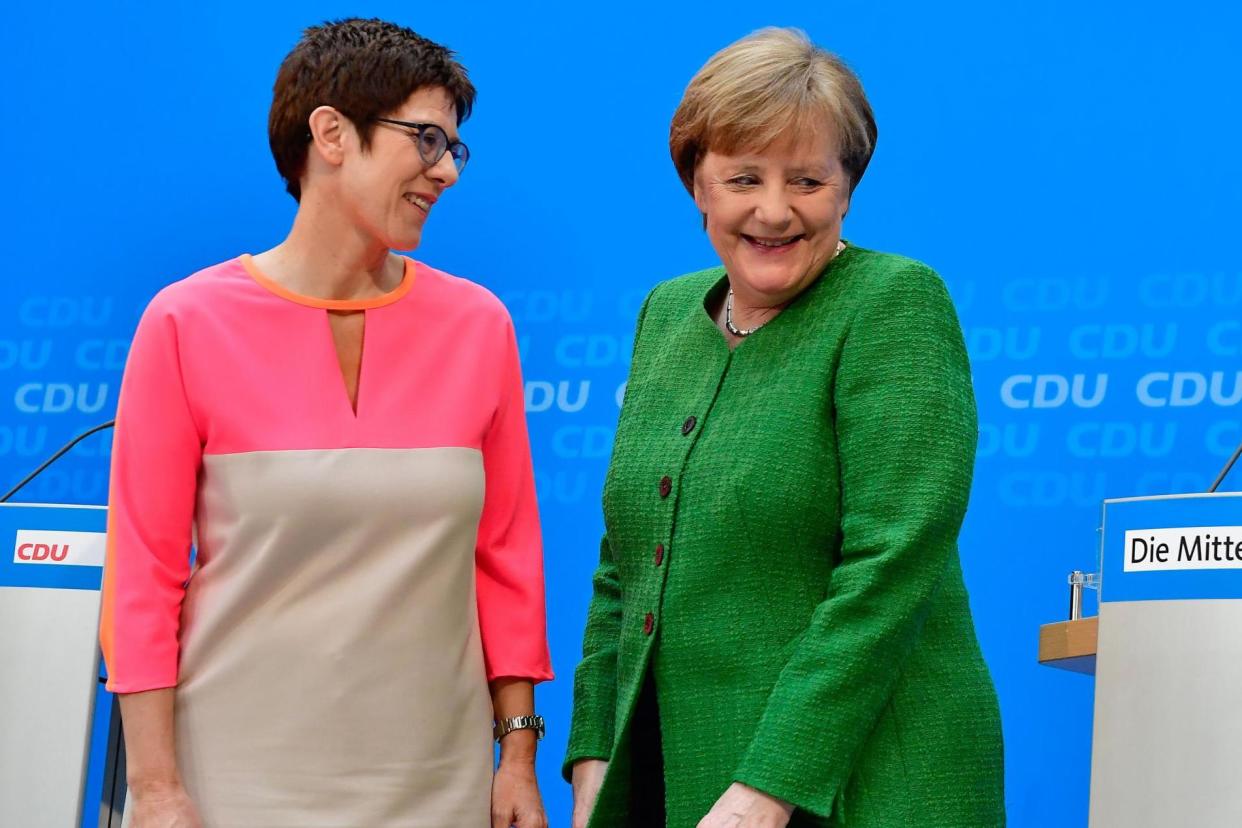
x=515, y=797
x=156, y=795
x=588, y=776
x=515, y=791
x=163, y=808
x=744, y=807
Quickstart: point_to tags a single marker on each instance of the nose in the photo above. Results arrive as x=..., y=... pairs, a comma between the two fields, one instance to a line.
x=444, y=172
x=773, y=208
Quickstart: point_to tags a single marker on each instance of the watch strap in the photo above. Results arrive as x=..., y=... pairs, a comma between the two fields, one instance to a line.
x=506, y=726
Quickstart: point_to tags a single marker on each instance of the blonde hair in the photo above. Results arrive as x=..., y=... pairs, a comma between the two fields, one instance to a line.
x=763, y=86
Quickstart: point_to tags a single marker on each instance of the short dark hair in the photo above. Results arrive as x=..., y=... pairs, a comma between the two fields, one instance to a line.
x=362, y=68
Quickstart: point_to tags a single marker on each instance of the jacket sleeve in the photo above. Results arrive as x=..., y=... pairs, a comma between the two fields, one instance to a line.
x=906, y=428
x=157, y=451
x=591, y=733
x=595, y=680
x=509, y=550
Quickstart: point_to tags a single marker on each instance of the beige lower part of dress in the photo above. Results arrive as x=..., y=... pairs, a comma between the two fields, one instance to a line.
x=331, y=668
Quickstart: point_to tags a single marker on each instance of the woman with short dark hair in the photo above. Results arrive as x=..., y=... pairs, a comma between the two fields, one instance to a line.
x=341, y=430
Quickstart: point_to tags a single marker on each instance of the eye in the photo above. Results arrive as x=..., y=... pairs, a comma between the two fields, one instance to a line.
x=429, y=141
x=807, y=183
x=742, y=181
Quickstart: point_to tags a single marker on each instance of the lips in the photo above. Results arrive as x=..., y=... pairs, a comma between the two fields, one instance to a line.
x=420, y=201
x=773, y=244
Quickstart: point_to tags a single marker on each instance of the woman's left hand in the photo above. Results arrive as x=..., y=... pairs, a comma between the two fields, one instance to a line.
x=515, y=797
x=744, y=807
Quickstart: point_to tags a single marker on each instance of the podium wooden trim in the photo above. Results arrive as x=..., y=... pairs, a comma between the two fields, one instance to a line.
x=1070, y=645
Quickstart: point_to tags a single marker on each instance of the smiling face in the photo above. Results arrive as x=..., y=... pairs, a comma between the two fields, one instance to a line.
x=386, y=190
x=774, y=215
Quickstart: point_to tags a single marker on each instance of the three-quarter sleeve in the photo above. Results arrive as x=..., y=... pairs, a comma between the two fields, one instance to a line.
x=906, y=426
x=509, y=552
x=156, y=455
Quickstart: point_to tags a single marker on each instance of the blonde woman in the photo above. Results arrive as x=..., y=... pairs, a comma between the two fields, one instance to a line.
x=779, y=633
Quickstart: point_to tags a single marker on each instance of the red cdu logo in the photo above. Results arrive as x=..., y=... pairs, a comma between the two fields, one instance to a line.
x=42, y=552
x=36, y=546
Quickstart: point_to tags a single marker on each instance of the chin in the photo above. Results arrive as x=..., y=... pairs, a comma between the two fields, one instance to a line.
x=409, y=241
x=776, y=281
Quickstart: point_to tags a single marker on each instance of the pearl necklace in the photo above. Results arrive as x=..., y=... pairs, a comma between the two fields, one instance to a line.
x=740, y=332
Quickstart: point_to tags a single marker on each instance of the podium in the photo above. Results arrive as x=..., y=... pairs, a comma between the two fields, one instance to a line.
x=51, y=565
x=1167, y=659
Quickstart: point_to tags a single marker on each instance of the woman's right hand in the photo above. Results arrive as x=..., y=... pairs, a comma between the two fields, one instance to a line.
x=588, y=776
x=165, y=808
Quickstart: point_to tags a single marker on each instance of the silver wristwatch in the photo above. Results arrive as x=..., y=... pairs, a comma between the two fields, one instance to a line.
x=506, y=726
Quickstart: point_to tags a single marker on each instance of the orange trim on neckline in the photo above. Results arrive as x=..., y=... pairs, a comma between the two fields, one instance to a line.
x=407, y=282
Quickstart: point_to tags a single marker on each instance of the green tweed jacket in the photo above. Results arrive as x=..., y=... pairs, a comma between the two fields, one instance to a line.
x=781, y=555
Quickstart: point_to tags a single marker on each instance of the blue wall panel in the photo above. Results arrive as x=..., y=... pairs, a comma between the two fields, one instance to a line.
x=1072, y=172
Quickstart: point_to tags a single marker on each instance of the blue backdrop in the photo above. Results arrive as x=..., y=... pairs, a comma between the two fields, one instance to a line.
x=1071, y=169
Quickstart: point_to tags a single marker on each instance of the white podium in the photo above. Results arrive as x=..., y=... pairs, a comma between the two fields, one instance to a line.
x=51, y=564
x=1167, y=746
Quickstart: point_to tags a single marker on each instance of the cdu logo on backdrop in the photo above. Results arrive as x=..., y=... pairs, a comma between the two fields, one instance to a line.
x=1103, y=386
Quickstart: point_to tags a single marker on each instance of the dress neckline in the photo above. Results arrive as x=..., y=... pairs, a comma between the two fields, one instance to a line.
x=272, y=286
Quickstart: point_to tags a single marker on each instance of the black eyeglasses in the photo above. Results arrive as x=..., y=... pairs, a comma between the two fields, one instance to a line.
x=432, y=142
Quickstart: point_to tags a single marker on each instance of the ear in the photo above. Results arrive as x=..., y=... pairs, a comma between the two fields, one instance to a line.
x=328, y=130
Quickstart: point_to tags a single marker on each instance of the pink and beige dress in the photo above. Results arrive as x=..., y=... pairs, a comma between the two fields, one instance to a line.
x=361, y=572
